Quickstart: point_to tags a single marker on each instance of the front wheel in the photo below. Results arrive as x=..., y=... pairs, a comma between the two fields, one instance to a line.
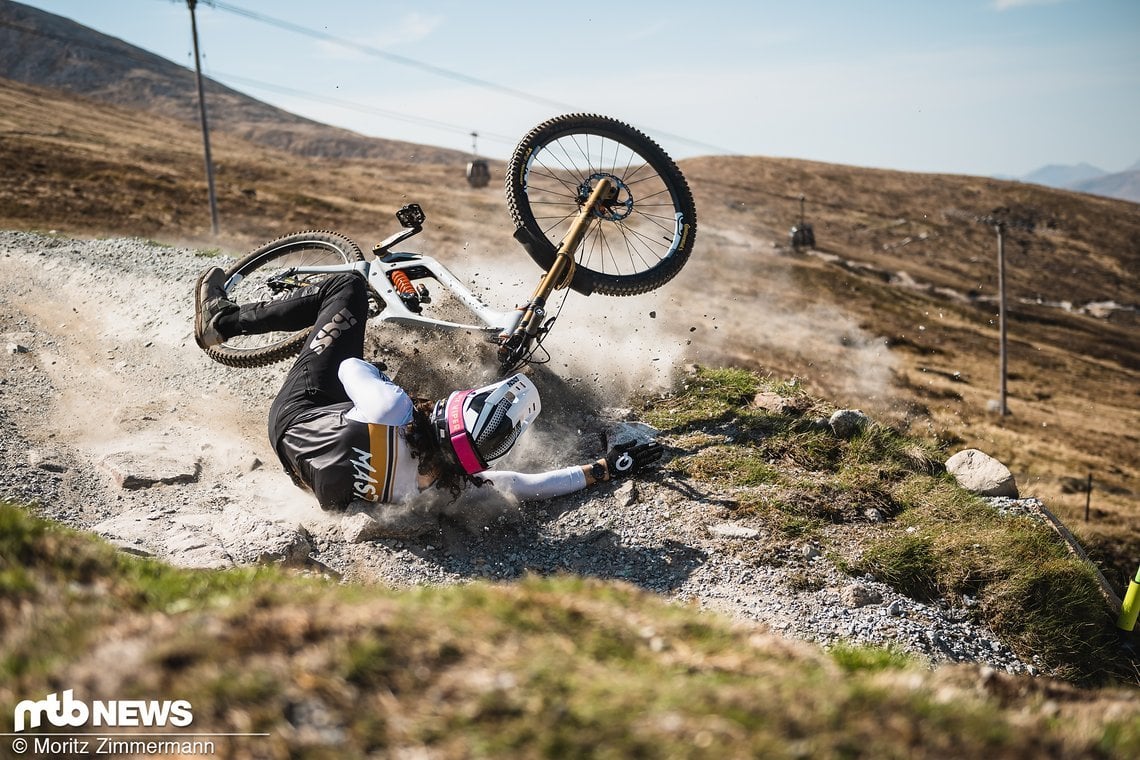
x=260, y=277
x=639, y=239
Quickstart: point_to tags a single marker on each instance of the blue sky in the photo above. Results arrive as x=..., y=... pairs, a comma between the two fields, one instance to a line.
x=990, y=87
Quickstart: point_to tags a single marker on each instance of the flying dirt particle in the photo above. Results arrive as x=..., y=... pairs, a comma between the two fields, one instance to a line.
x=692, y=329
x=653, y=315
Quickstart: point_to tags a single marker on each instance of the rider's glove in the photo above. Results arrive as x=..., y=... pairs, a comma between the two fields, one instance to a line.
x=631, y=457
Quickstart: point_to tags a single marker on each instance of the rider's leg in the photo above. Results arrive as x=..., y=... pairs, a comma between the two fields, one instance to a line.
x=336, y=310
x=297, y=311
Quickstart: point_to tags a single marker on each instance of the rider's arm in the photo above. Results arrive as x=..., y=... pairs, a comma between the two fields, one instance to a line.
x=376, y=398
x=623, y=460
x=547, y=485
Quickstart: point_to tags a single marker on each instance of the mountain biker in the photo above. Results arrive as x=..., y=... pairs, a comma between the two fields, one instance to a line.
x=344, y=431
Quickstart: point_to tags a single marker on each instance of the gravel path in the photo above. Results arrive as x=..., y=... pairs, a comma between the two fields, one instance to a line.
x=101, y=376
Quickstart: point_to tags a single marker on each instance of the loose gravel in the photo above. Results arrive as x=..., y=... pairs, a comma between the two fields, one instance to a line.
x=100, y=360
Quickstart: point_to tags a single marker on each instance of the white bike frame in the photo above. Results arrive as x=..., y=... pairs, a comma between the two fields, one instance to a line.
x=378, y=274
x=517, y=331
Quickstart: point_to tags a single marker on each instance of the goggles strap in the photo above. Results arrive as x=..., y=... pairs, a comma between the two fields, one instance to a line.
x=457, y=434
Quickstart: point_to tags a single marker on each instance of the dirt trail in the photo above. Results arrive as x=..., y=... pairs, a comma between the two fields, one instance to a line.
x=102, y=377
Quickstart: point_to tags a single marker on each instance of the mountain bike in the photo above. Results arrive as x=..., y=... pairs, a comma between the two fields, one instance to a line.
x=597, y=204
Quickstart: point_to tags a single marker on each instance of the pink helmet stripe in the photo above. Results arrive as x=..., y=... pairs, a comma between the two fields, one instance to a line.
x=457, y=433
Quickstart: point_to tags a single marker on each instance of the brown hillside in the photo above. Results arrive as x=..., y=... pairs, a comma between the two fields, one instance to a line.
x=918, y=349
x=45, y=50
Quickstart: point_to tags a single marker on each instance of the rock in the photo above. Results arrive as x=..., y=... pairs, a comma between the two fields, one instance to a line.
x=857, y=595
x=847, y=422
x=368, y=523
x=208, y=540
x=359, y=528
x=19, y=342
x=125, y=530
x=981, y=474
x=132, y=470
x=47, y=459
x=777, y=404
x=625, y=494
x=623, y=432
x=191, y=546
x=129, y=548
x=732, y=530
x=251, y=538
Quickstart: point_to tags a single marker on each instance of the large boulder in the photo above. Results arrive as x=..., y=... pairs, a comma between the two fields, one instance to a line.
x=980, y=473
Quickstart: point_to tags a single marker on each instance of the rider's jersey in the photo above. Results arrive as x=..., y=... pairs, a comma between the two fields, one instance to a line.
x=359, y=449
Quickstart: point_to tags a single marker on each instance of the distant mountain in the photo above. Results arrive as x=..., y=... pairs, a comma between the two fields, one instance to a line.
x=1086, y=178
x=46, y=50
x=1124, y=185
x=1062, y=176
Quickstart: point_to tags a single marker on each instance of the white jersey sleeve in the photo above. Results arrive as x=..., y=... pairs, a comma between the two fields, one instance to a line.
x=376, y=399
x=537, y=486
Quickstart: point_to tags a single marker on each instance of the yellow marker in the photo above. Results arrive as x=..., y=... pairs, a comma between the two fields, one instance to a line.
x=1131, y=606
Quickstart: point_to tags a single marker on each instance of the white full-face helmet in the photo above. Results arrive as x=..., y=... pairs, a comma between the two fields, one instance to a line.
x=481, y=425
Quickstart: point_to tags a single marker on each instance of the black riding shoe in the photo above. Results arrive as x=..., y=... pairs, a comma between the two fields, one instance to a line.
x=210, y=303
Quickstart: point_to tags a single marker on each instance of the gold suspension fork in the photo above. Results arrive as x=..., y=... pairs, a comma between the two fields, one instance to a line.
x=559, y=275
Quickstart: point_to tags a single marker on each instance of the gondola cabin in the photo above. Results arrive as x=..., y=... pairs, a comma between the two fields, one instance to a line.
x=478, y=175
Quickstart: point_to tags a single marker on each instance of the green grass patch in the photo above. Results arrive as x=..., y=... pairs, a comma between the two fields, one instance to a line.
x=1042, y=600
x=853, y=657
x=939, y=542
x=731, y=441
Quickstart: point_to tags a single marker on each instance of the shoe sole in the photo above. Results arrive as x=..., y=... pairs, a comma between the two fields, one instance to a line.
x=199, y=315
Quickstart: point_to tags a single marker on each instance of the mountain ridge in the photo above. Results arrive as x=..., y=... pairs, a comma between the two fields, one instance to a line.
x=95, y=65
x=1086, y=178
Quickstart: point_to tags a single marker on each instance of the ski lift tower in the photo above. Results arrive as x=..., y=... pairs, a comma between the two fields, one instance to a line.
x=802, y=234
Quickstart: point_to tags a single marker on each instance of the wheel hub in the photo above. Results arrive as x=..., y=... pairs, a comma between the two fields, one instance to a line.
x=617, y=207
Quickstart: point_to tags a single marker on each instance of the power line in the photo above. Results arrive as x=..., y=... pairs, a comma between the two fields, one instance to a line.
x=394, y=57
x=439, y=70
x=419, y=120
x=126, y=50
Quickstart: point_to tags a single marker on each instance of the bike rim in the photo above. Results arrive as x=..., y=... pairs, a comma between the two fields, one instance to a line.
x=632, y=233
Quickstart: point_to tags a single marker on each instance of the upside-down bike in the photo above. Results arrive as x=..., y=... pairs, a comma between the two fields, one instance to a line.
x=597, y=204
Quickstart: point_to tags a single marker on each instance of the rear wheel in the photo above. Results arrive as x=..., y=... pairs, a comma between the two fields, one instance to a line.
x=259, y=277
x=636, y=241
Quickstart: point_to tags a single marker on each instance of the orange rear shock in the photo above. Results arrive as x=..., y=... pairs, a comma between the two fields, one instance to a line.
x=406, y=289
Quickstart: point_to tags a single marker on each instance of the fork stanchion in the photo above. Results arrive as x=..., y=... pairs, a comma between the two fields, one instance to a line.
x=562, y=270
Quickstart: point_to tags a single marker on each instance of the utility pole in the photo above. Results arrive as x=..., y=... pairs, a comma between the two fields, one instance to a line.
x=1001, y=220
x=205, y=126
x=1000, y=227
